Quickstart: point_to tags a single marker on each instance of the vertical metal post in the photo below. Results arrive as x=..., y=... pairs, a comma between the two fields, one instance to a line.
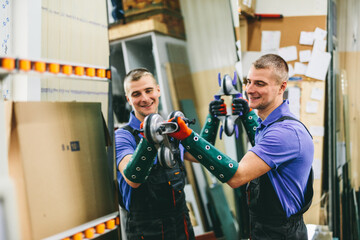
x=334, y=213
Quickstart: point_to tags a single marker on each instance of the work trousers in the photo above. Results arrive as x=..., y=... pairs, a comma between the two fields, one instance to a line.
x=291, y=229
x=170, y=227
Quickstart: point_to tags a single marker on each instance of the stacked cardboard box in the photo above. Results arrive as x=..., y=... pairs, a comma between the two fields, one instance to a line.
x=58, y=162
x=136, y=6
x=164, y=11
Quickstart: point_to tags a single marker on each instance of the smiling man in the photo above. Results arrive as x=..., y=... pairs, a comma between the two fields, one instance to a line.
x=152, y=197
x=278, y=167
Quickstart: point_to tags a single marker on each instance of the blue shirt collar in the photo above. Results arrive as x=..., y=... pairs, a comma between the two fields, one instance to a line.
x=282, y=110
x=134, y=122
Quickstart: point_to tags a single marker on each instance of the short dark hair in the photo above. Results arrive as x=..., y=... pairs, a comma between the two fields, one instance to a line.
x=135, y=75
x=276, y=63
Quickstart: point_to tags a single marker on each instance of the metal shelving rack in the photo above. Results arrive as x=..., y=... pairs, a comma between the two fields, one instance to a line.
x=11, y=66
x=22, y=68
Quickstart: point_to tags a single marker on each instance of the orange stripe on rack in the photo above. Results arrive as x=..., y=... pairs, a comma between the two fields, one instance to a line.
x=79, y=70
x=54, y=68
x=67, y=69
x=78, y=236
x=25, y=65
x=101, y=73
x=40, y=67
x=100, y=228
x=89, y=233
x=8, y=63
x=108, y=74
x=110, y=224
x=90, y=72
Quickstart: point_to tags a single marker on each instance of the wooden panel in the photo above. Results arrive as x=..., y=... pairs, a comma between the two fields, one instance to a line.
x=179, y=75
x=182, y=81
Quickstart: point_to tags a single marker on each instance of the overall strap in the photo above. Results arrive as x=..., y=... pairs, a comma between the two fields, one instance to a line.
x=291, y=118
x=133, y=131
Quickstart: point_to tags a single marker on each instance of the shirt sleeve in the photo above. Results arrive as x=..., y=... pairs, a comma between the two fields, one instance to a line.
x=182, y=151
x=125, y=144
x=278, y=145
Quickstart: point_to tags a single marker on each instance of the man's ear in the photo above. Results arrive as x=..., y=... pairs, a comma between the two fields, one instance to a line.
x=128, y=100
x=283, y=86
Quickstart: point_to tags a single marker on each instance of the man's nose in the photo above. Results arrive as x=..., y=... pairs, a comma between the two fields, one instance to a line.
x=249, y=88
x=144, y=97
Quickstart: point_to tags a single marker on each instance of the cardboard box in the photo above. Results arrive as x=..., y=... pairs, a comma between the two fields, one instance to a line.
x=58, y=162
x=163, y=11
x=174, y=23
x=131, y=7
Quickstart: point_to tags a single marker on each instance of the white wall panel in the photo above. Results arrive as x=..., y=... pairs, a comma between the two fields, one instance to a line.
x=292, y=7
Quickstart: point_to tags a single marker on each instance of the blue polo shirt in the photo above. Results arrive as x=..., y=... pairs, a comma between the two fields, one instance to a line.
x=125, y=144
x=288, y=149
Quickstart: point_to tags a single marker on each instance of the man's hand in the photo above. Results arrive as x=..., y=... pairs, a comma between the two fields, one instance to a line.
x=183, y=132
x=240, y=106
x=217, y=108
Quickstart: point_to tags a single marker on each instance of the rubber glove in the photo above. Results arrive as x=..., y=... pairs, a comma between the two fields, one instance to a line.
x=183, y=131
x=240, y=106
x=217, y=108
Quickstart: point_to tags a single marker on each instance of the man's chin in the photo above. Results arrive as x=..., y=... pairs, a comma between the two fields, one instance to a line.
x=252, y=105
x=148, y=112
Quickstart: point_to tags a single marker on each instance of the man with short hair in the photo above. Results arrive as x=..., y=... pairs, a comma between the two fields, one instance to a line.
x=152, y=197
x=278, y=167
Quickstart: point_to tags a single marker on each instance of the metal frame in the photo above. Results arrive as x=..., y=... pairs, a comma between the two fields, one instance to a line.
x=334, y=201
